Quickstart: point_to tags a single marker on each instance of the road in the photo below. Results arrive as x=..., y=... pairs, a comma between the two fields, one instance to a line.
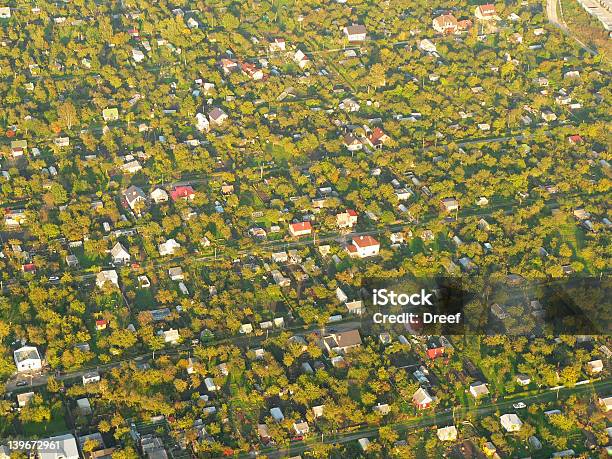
x=553, y=18
x=441, y=418
x=40, y=379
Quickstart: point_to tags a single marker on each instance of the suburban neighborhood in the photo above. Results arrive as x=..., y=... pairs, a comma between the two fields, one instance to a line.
x=198, y=198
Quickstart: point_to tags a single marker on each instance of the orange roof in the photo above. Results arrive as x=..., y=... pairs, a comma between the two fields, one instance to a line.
x=301, y=226
x=365, y=241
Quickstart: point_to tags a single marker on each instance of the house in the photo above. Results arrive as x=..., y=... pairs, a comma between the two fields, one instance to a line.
x=65, y=447
x=119, y=254
x=606, y=403
x=575, y=139
x=27, y=358
x=24, y=399
x=91, y=378
x=210, y=385
x=18, y=148
x=523, y=380
x=449, y=204
x=134, y=197
x=263, y=432
x=168, y=247
x=403, y=194
x=104, y=277
x=346, y=219
x=352, y=143
x=171, y=336
x=252, y=71
x=421, y=399
x=301, y=428
x=277, y=44
x=228, y=66
x=363, y=247
x=5, y=12
x=137, y=55
x=159, y=195
x=317, y=411
x=511, y=422
x=101, y=324
x=382, y=409
x=110, y=114
x=301, y=59
x=349, y=105
x=14, y=217
x=202, y=123
x=548, y=115
x=217, y=116
x=355, y=33
x=342, y=342
x=377, y=138
x=176, y=273
x=227, y=188
x=485, y=12
x=447, y=433
x=277, y=414
x=448, y=24
x=355, y=307
x=182, y=192
x=131, y=167
x=479, y=389
x=595, y=366
x=300, y=229
x=434, y=349
x=364, y=444
x=72, y=261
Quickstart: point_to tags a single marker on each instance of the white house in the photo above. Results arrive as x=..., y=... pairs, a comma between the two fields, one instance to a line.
x=210, y=385
x=595, y=366
x=107, y=276
x=5, y=12
x=159, y=195
x=301, y=428
x=137, y=55
x=301, y=59
x=447, y=433
x=168, y=247
x=120, y=255
x=23, y=400
x=363, y=247
x=91, y=378
x=202, y=122
x=134, y=196
x=511, y=422
x=355, y=33
x=27, y=358
x=278, y=44
x=478, y=389
x=171, y=336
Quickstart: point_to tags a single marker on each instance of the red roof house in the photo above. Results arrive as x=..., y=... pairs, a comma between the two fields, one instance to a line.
x=300, y=229
x=184, y=192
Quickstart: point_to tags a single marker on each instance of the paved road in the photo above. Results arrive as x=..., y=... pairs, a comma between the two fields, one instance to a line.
x=553, y=17
x=40, y=379
x=440, y=418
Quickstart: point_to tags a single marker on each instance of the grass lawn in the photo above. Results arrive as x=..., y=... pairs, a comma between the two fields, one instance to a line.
x=56, y=425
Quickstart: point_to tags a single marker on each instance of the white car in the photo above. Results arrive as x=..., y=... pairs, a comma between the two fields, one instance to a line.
x=519, y=405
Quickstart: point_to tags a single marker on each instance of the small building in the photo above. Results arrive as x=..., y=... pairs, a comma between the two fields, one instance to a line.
x=110, y=114
x=449, y=204
x=210, y=385
x=421, y=399
x=363, y=247
x=120, y=255
x=134, y=197
x=72, y=261
x=485, y=12
x=606, y=403
x=377, y=138
x=301, y=59
x=202, y=123
x=523, y=380
x=5, y=12
x=84, y=406
x=352, y=143
x=171, y=336
x=346, y=219
x=91, y=378
x=263, y=432
x=159, y=195
x=176, y=273
x=300, y=229
x=168, y=248
x=511, y=422
x=24, y=399
x=217, y=116
x=595, y=366
x=479, y=389
x=27, y=358
x=65, y=448
x=447, y=433
x=342, y=342
x=277, y=45
x=364, y=443
x=185, y=192
x=277, y=414
x=108, y=276
x=355, y=307
x=301, y=428
x=355, y=33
